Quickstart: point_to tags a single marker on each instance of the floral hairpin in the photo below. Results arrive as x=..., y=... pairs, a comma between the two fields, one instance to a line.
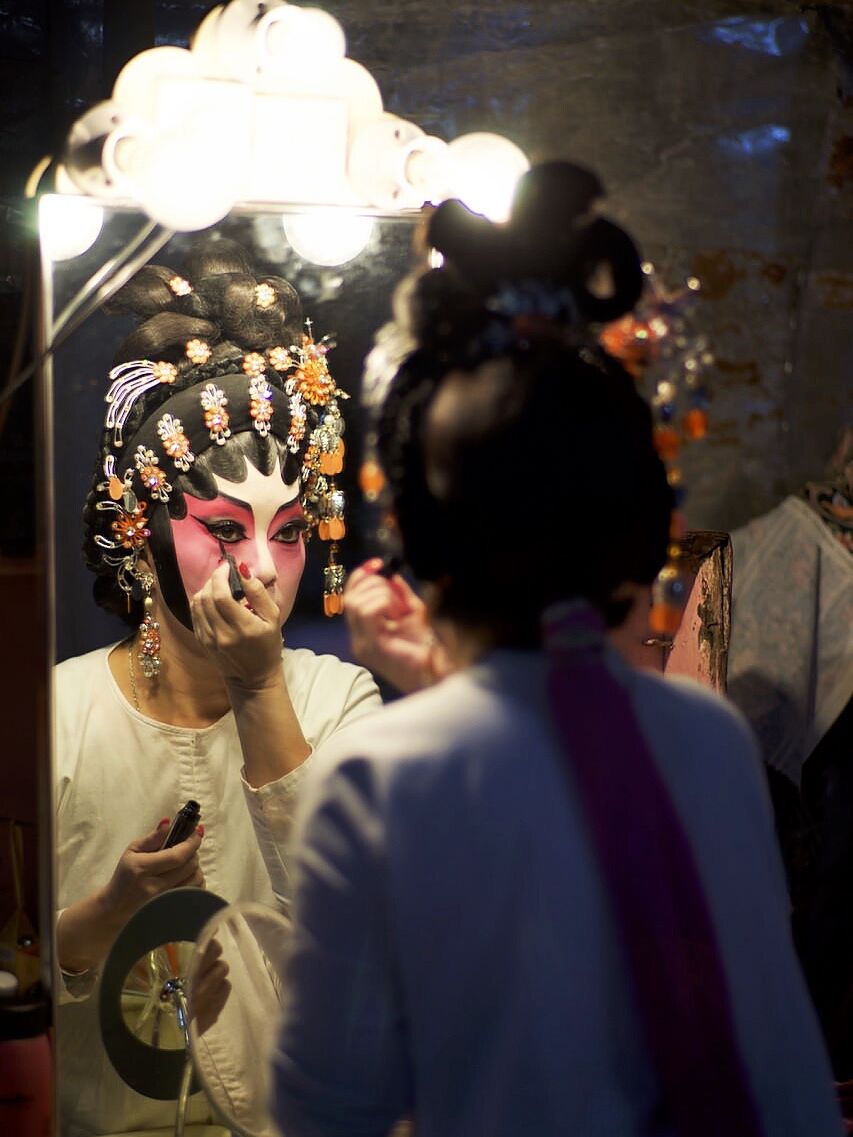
x=198, y=352
x=129, y=527
x=657, y=347
x=279, y=358
x=265, y=296
x=175, y=442
x=254, y=364
x=151, y=474
x=315, y=383
x=298, y=422
x=216, y=418
x=260, y=404
x=179, y=287
x=129, y=381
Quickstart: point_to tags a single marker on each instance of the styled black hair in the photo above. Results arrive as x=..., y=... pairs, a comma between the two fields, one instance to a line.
x=518, y=454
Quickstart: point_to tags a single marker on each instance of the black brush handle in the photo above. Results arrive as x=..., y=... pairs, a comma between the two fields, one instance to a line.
x=183, y=824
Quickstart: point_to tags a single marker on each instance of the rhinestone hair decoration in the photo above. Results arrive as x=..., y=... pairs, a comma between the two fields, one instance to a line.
x=129, y=381
x=203, y=413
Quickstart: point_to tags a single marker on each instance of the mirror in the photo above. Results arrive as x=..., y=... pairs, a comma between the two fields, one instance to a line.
x=171, y=1033
x=152, y=1062
x=204, y=1009
x=153, y=1019
x=103, y=800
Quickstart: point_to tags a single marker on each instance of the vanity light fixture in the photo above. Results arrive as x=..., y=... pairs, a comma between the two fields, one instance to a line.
x=265, y=108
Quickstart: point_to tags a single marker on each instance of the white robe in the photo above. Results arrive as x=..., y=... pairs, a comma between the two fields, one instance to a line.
x=117, y=773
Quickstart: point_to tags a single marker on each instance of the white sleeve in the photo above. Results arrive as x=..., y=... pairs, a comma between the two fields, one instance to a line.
x=271, y=808
x=328, y=694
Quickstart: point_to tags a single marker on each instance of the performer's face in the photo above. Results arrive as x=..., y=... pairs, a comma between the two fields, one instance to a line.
x=259, y=521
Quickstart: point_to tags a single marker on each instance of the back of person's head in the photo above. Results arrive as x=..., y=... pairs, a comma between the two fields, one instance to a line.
x=518, y=453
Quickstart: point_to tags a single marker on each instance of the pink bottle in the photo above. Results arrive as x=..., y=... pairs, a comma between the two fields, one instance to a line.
x=26, y=1063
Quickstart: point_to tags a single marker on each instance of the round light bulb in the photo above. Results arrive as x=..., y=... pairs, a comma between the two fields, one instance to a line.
x=204, y=40
x=179, y=179
x=68, y=226
x=427, y=169
x=136, y=87
x=92, y=149
x=361, y=91
x=328, y=237
x=485, y=169
x=63, y=181
x=300, y=43
x=381, y=159
x=229, y=42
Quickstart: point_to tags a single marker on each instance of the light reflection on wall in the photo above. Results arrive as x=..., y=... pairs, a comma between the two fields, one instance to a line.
x=781, y=36
x=760, y=140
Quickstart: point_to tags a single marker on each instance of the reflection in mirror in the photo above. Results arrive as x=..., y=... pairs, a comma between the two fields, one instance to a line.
x=129, y=749
x=148, y=1012
x=232, y=1038
x=348, y=302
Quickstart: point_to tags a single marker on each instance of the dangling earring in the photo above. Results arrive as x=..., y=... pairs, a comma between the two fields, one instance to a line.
x=333, y=584
x=149, y=632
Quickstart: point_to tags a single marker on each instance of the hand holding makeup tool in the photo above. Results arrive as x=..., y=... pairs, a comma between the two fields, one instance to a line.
x=183, y=824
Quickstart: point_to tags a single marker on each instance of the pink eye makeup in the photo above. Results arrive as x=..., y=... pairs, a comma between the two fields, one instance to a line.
x=258, y=522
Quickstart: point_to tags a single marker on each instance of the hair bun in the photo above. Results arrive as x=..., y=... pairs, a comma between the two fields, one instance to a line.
x=553, y=192
x=552, y=237
x=219, y=257
x=481, y=251
x=145, y=294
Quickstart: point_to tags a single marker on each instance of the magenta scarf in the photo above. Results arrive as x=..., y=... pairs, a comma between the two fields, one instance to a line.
x=656, y=893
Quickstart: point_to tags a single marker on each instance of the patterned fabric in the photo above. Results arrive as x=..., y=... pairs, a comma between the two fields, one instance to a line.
x=832, y=497
x=791, y=651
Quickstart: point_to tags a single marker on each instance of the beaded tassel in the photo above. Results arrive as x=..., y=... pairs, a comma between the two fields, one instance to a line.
x=149, y=642
x=333, y=585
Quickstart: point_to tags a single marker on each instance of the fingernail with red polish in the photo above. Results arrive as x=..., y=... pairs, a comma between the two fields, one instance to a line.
x=163, y=821
x=245, y=571
x=200, y=829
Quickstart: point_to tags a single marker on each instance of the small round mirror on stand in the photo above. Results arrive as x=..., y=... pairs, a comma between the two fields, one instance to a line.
x=188, y=1001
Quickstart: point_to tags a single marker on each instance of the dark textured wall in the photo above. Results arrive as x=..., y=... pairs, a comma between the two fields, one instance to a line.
x=721, y=129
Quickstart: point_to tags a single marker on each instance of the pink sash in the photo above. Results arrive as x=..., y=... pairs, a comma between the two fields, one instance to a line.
x=657, y=896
